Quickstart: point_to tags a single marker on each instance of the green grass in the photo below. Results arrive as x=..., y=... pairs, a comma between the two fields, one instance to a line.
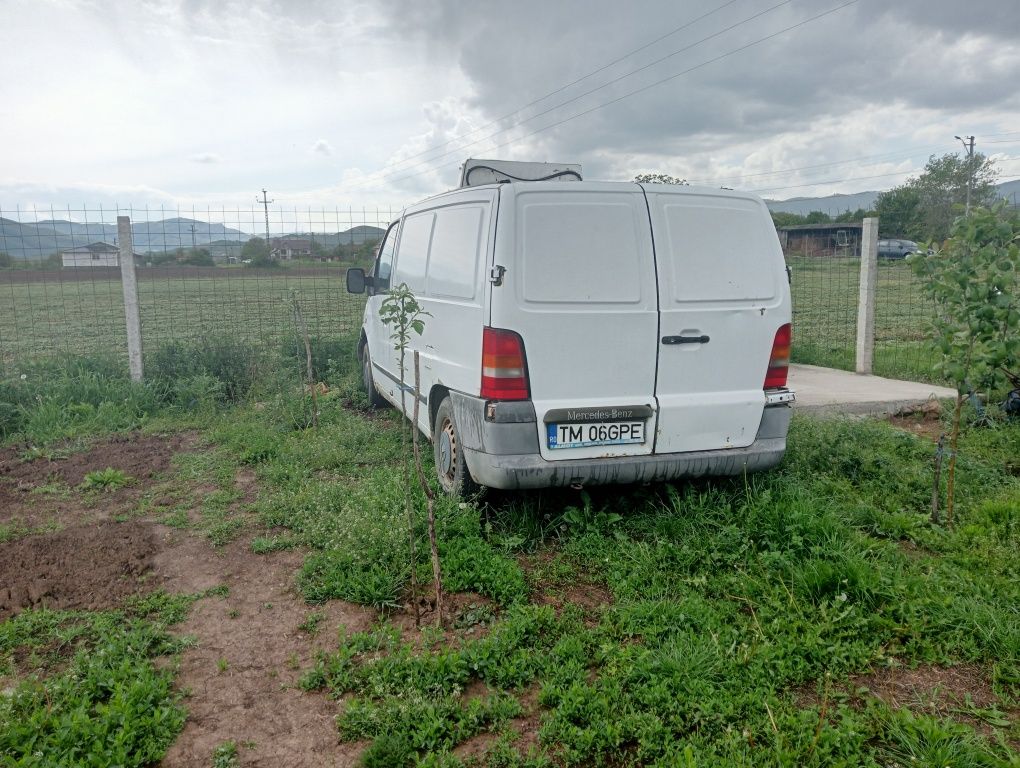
x=727, y=597
x=825, y=317
x=86, y=689
x=108, y=479
x=721, y=603
x=87, y=317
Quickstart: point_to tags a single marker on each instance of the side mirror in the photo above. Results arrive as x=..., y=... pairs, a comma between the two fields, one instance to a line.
x=356, y=280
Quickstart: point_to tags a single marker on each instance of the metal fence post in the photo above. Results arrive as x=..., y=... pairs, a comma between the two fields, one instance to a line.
x=130, y=286
x=866, y=297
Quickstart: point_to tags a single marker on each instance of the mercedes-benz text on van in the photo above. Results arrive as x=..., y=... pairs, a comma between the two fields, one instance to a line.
x=587, y=333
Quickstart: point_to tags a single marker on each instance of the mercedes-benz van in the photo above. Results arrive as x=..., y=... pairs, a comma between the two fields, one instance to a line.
x=587, y=333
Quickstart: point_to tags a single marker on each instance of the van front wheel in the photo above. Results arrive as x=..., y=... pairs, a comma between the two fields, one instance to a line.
x=449, y=453
x=368, y=381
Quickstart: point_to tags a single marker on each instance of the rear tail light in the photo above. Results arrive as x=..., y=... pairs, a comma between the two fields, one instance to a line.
x=779, y=362
x=504, y=372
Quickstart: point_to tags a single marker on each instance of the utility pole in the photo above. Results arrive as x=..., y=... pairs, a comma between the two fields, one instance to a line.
x=192, y=237
x=265, y=204
x=968, y=144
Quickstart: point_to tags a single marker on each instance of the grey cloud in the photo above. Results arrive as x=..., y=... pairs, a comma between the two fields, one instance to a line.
x=205, y=158
x=919, y=54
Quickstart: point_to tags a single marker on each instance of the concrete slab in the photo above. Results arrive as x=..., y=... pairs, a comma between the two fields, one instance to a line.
x=830, y=391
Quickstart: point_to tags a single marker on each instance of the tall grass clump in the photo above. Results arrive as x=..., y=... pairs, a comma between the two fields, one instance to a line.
x=69, y=397
x=182, y=367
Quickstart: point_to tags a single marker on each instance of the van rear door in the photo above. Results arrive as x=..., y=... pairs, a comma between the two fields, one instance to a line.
x=579, y=288
x=722, y=297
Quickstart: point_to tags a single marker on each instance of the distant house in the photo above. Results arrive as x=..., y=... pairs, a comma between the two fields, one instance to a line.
x=98, y=254
x=821, y=240
x=290, y=248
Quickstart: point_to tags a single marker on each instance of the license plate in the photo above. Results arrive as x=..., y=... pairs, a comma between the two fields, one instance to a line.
x=588, y=434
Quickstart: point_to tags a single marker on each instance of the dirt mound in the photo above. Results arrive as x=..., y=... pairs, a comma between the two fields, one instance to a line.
x=47, y=571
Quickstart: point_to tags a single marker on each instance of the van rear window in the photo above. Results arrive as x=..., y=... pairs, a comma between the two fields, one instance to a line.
x=716, y=249
x=578, y=251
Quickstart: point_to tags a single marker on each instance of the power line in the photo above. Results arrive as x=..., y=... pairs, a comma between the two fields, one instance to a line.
x=571, y=83
x=388, y=174
x=906, y=153
x=852, y=178
x=831, y=181
x=654, y=84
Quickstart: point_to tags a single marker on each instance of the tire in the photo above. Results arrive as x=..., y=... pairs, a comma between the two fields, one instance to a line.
x=451, y=469
x=368, y=381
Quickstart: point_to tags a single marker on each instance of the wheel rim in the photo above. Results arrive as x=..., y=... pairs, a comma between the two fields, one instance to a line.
x=447, y=452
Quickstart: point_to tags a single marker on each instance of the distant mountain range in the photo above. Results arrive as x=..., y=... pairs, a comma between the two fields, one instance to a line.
x=836, y=204
x=38, y=239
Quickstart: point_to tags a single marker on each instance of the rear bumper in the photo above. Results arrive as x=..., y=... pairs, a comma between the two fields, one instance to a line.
x=502, y=451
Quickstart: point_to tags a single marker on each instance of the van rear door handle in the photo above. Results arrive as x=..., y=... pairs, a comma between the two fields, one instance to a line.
x=685, y=339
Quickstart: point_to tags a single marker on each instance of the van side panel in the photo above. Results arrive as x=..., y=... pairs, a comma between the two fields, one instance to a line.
x=722, y=296
x=449, y=283
x=579, y=288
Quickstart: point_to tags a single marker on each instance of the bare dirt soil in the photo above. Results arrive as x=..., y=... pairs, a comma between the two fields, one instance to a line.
x=240, y=675
x=952, y=692
x=46, y=571
x=960, y=692
x=923, y=420
x=37, y=493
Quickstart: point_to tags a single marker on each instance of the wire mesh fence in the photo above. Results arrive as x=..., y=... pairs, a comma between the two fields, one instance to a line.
x=231, y=275
x=825, y=265
x=201, y=275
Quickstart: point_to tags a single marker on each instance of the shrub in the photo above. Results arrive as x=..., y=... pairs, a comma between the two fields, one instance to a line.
x=234, y=364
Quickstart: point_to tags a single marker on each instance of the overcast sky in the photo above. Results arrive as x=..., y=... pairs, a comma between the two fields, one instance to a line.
x=334, y=104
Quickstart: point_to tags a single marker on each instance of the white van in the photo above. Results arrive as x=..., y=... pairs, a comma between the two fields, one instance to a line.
x=587, y=332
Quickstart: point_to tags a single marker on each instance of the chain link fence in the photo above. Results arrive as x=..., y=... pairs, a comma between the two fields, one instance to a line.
x=218, y=274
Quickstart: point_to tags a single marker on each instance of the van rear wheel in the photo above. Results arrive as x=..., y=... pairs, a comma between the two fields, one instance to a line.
x=451, y=468
x=368, y=381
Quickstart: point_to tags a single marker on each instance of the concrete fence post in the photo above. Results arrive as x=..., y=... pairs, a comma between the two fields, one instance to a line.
x=866, y=297
x=130, y=285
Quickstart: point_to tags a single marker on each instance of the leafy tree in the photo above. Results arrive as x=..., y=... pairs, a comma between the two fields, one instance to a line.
x=786, y=219
x=5, y=260
x=256, y=248
x=817, y=217
x=899, y=213
x=659, y=178
x=849, y=216
x=923, y=208
x=943, y=185
x=199, y=257
x=54, y=261
x=975, y=285
x=158, y=259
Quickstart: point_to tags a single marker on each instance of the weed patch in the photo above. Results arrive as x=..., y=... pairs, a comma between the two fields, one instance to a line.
x=89, y=692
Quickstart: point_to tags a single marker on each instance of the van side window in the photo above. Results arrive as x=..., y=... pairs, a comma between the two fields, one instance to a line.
x=384, y=262
x=453, y=259
x=413, y=254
